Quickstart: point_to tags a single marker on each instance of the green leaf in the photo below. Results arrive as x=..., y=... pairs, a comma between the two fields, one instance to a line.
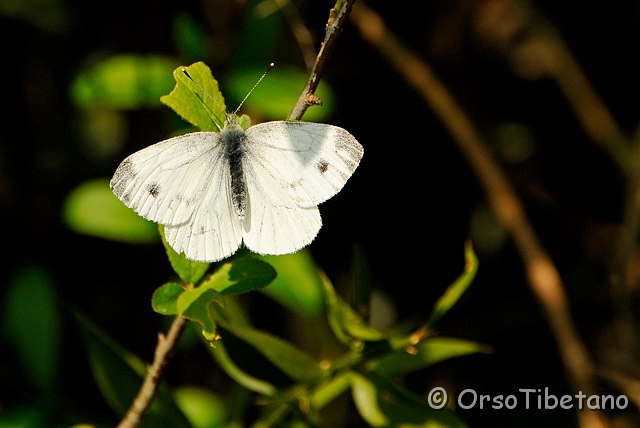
x=119, y=374
x=165, y=298
x=298, y=285
x=203, y=408
x=424, y=354
x=196, y=97
x=236, y=373
x=189, y=271
x=457, y=289
x=384, y=403
x=295, y=363
x=32, y=322
x=196, y=305
x=92, y=209
x=123, y=82
x=239, y=276
x=278, y=92
x=345, y=323
x=242, y=275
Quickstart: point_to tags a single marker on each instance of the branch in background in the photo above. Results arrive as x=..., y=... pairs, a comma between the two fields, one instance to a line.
x=164, y=350
x=543, y=277
x=543, y=53
x=336, y=21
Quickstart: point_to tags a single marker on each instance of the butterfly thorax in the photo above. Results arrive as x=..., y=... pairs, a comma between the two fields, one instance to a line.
x=233, y=139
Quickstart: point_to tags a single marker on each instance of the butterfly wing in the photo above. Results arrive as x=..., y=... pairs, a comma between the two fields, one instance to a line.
x=274, y=223
x=312, y=161
x=183, y=184
x=291, y=167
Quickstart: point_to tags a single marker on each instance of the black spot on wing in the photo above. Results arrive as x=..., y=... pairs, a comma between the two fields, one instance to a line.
x=322, y=166
x=153, y=189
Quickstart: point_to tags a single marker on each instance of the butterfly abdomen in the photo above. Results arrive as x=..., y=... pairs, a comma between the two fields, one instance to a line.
x=234, y=139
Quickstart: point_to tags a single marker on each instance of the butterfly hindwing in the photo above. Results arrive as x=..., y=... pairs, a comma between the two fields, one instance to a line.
x=274, y=223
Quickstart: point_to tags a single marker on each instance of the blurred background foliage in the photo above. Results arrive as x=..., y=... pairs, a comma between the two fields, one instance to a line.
x=82, y=90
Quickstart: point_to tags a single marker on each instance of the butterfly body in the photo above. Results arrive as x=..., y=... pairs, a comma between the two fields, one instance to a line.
x=233, y=139
x=260, y=186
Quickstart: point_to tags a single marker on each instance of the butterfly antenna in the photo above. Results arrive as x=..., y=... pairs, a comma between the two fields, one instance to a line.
x=254, y=86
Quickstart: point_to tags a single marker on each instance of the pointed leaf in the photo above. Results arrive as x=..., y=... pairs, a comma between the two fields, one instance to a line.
x=424, y=354
x=457, y=289
x=382, y=402
x=345, y=323
x=294, y=362
x=236, y=373
x=197, y=98
x=188, y=270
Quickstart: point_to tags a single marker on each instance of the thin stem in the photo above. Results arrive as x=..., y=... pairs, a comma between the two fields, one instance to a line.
x=334, y=27
x=164, y=349
x=543, y=277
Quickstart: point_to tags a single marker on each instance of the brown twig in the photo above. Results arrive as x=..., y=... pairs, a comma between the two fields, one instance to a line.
x=164, y=349
x=543, y=277
x=544, y=53
x=337, y=20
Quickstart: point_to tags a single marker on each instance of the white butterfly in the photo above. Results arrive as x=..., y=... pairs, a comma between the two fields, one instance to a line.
x=213, y=191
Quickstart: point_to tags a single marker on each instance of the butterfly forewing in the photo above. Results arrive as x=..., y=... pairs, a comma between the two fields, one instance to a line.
x=310, y=161
x=165, y=182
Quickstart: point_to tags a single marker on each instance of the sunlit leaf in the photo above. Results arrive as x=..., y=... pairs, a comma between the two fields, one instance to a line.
x=119, y=374
x=196, y=97
x=165, y=298
x=241, y=275
x=124, y=82
x=31, y=320
x=298, y=285
x=189, y=271
x=238, y=276
x=195, y=305
x=92, y=209
x=424, y=354
x=457, y=289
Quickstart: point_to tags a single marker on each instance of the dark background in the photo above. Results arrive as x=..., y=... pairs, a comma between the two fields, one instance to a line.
x=410, y=205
